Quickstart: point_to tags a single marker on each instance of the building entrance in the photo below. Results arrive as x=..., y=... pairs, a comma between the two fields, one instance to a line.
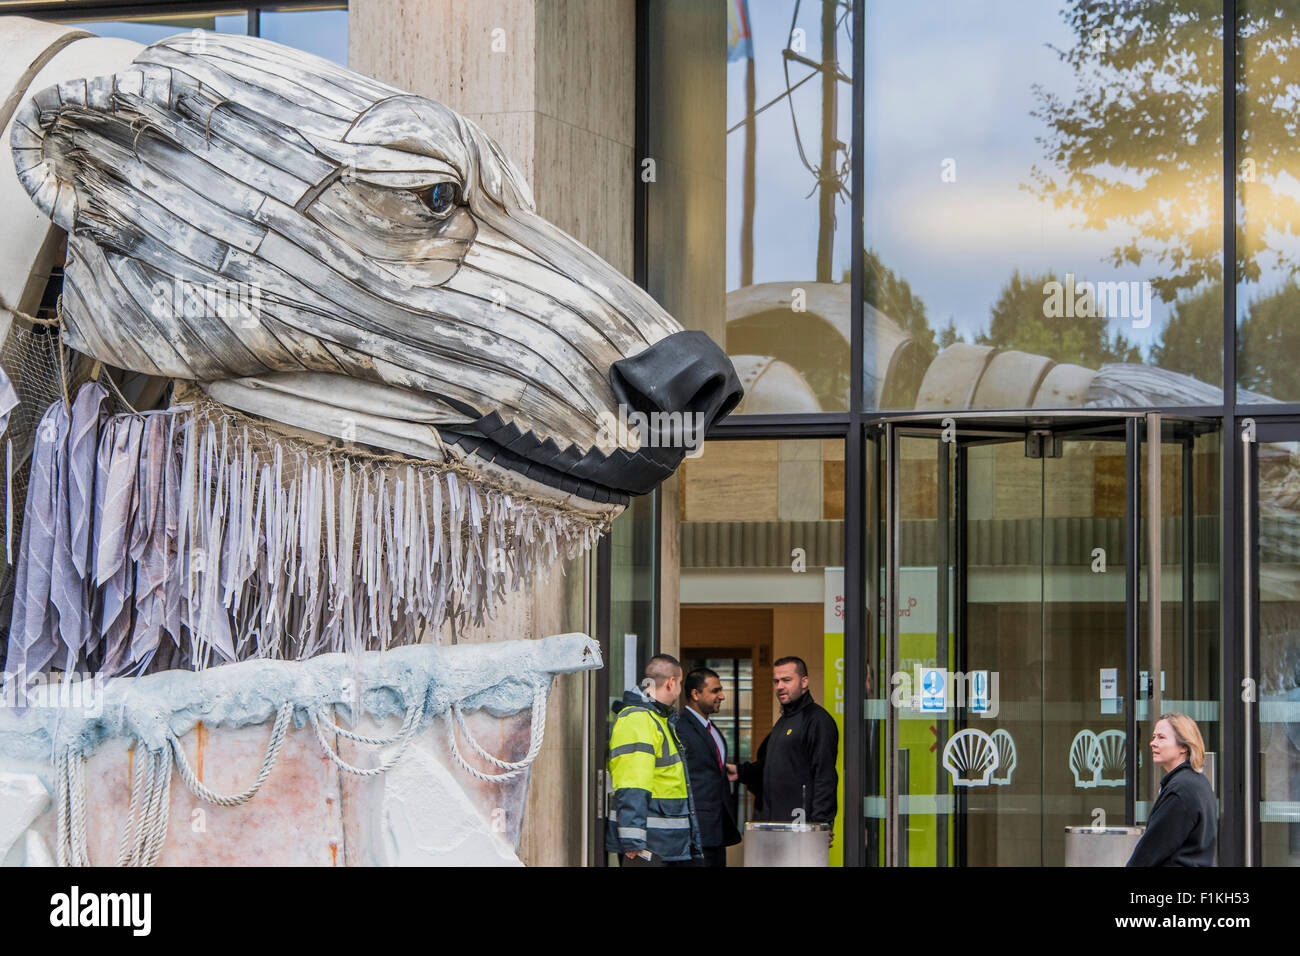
x=1272, y=652
x=1045, y=587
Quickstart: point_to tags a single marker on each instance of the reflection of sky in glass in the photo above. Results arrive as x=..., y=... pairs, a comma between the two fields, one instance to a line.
x=785, y=222
x=322, y=32
x=951, y=81
x=945, y=80
x=161, y=29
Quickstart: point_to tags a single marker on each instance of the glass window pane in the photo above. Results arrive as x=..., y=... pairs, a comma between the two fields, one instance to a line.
x=631, y=595
x=152, y=29
x=1278, y=551
x=322, y=32
x=1043, y=197
x=762, y=545
x=1268, y=229
x=748, y=216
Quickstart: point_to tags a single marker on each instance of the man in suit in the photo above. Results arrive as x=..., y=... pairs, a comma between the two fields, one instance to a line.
x=706, y=764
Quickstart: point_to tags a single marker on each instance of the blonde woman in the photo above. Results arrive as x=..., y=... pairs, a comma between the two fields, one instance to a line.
x=1183, y=825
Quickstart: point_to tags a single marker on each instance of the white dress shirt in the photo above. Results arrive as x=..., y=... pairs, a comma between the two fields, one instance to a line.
x=717, y=736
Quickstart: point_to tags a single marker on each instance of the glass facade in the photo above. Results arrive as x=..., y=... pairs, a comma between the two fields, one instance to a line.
x=321, y=29
x=1279, y=649
x=970, y=268
x=748, y=213
x=1012, y=230
x=1042, y=210
x=1268, y=249
x=632, y=627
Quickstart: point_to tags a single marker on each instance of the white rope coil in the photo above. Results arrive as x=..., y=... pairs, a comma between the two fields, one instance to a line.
x=146, y=825
x=235, y=799
x=70, y=782
x=512, y=768
x=360, y=738
x=402, y=738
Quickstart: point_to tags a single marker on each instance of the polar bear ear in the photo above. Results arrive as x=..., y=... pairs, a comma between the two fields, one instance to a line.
x=64, y=135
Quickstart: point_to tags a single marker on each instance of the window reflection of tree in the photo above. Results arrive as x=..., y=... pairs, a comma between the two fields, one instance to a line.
x=1138, y=146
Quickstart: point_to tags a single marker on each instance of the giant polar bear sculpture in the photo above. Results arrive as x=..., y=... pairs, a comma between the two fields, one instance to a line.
x=392, y=390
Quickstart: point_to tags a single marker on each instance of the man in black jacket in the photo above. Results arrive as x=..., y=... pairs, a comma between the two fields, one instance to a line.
x=706, y=765
x=795, y=769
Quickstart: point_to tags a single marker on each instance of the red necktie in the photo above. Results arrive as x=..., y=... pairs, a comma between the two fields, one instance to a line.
x=708, y=727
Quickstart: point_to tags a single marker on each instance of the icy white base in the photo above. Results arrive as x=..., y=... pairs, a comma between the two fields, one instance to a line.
x=426, y=810
x=428, y=820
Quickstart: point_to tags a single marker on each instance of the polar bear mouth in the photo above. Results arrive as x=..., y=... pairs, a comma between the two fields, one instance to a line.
x=427, y=428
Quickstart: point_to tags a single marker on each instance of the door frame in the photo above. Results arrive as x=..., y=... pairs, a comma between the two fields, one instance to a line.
x=1134, y=429
x=1253, y=432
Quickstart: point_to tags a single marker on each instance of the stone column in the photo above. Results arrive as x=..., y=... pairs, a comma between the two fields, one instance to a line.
x=554, y=82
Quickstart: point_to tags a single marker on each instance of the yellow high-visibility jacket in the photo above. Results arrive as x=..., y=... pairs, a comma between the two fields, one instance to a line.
x=652, y=807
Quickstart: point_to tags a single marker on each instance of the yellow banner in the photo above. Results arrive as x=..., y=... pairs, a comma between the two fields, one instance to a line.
x=833, y=694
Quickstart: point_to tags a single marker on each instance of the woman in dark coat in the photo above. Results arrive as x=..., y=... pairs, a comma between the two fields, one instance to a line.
x=1183, y=826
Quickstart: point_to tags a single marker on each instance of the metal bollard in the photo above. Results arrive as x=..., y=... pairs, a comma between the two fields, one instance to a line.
x=1100, y=846
x=787, y=844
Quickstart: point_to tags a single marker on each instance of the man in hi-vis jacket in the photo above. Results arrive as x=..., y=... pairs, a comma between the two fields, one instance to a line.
x=651, y=817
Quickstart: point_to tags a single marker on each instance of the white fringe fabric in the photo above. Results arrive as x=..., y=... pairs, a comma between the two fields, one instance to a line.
x=212, y=538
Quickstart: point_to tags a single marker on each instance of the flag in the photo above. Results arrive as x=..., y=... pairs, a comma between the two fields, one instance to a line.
x=740, y=42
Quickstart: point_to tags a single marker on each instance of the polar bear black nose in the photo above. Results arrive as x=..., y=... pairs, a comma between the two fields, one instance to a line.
x=684, y=373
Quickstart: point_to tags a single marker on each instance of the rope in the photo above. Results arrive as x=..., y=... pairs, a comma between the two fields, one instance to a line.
x=32, y=319
x=70, y=783
x=351, y=735
x=146, y=828
x=403, y=738
x=63, y=368
x=512, y=768
x=116, y=391
x=159, y=811
x=236, y=799
x=61, y=792
x=130, y=843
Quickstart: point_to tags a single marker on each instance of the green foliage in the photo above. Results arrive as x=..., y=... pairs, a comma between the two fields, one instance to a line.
x=892, y=295
x=1268, y=342
x=1192, y=341
x=1019, y=321
x=949, y=335
x=1138, y=145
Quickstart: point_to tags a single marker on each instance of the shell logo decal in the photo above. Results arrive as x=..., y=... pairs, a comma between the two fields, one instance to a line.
x=1098, y=760
x=976, y=759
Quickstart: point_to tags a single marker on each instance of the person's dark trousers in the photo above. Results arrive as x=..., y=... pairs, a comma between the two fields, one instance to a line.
x=655, y=860
x=714, y=856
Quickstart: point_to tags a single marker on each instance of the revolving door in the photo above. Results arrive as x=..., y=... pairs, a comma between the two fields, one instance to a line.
x=1023, y=644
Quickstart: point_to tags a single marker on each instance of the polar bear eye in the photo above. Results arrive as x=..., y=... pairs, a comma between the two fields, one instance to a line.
x=441, y=198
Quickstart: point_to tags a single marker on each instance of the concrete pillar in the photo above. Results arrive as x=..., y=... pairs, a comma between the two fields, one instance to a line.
x=554, y=82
